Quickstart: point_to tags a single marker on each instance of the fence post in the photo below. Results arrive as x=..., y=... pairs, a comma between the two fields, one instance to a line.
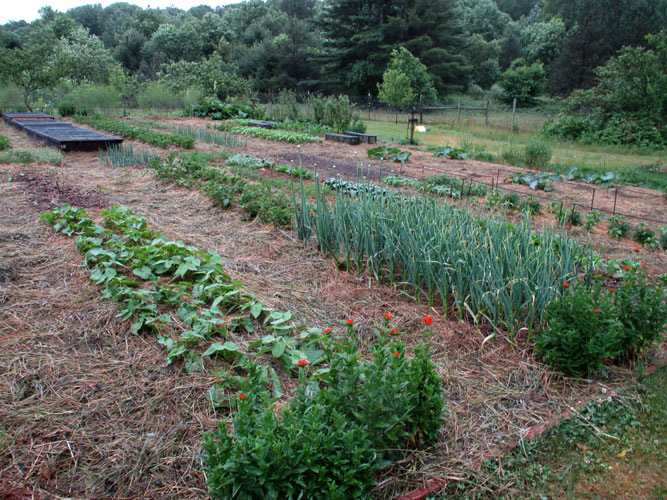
x=458, y=112
x=513, y=112
x=421, y=109
x=487, y=112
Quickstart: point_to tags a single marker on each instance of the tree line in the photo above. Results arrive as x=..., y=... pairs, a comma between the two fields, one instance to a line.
x=327, y=46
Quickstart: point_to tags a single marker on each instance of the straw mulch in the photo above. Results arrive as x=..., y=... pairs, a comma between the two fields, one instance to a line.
x=89, y=410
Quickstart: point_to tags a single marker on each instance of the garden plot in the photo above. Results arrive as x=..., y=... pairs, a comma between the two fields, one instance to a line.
x=120, y=422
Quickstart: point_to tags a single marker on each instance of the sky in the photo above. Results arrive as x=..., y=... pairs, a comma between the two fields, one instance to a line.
x=28, y=10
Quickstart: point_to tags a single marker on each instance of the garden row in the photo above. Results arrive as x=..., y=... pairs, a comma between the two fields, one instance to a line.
x=343, y=421
x=143, y=134
x=172, y=280
x=490, y=271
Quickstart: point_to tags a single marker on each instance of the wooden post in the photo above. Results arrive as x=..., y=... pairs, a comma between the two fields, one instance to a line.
x=593, y=199
x=458, y=112
x=487, y=112
x=421, y=109
x=513, y=112
x=412, y=121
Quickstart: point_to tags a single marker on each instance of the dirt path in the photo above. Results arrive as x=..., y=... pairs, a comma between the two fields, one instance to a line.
x=114, y=421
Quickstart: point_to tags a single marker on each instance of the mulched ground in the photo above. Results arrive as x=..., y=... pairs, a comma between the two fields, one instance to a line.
x=88, y=410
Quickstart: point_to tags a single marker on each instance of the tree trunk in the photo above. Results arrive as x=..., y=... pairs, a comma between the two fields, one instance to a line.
x=26, y=93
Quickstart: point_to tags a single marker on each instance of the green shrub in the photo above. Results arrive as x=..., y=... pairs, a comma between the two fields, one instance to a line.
x=573, y=216
x=67, y=107
x=618, y=226
x=643, y=234
x=4, y=143
x=159, y=96
x=532, y=206
x=582, y=331
x=662, y=239
x=537, y=154
x=328, y=440
x=512, y=157
x=214, y=108
x=523, y=82
x=592, y=218
x=511, y=200
x=641, y=309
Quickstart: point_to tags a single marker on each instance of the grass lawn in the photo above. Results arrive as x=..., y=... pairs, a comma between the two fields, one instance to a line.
x=614, y=448
x=638, y=167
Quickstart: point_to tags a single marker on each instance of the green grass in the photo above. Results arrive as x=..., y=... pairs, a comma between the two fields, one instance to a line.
x=26, y=156
x=611, y=449
x=638, y=167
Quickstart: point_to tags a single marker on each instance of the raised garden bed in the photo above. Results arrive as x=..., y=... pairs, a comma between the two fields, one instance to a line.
x=367, y=138
x=346, y=138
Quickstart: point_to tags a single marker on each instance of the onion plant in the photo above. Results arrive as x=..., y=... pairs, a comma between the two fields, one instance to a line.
x=482, y=268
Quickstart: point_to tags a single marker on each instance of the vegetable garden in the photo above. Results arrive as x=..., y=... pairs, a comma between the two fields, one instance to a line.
x=239, y=317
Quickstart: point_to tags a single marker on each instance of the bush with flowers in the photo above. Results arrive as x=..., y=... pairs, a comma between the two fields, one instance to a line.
x=590, y=325
x=343, y=422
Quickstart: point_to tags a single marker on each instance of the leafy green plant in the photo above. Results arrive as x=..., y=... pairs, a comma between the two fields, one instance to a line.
x=592, y=218
x=452, y=153
x=642, y=310
x=542, y=181
x=214, y=108
x=582, y=330
x=67, y=107
x=643, y=234
x=618, y=226
x=389, y=153
x=532, y=206
x=590, y=177
x=276, y=135
x=4, y=143
x=333, y=433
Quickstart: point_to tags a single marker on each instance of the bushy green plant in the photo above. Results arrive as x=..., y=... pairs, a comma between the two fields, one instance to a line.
x=67, y=107
x=214, y=108
x=618, y=226
x=573, y=216
x=641, y=309
x=331, y=436
x=592, y=218
x=643, y=233
x=511, y=200
x=512, y=156
x=582, y=330
x=662, y=239
x=4, y=143
x=537, y=154
x=523, y=82
x=532, y=206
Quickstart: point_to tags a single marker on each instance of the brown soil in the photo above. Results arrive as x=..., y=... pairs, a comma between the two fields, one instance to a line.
x=91, y=411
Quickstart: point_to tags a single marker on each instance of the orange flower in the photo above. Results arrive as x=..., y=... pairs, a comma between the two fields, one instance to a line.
x=328, y=330
x=596, y=310
x=644, y=266
x=636, y=249
x=302, y=362
x=627, y=268
x=566, y=284
x=393, y=331
x=397, y=353
x=387, y=316
x=428, y=320
x=350, y=322
x=241, y=396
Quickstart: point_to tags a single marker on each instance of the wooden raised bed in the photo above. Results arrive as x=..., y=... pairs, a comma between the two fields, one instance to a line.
x=367, y=138
x=61, y=135
x=346, y=138
x=261, y=124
